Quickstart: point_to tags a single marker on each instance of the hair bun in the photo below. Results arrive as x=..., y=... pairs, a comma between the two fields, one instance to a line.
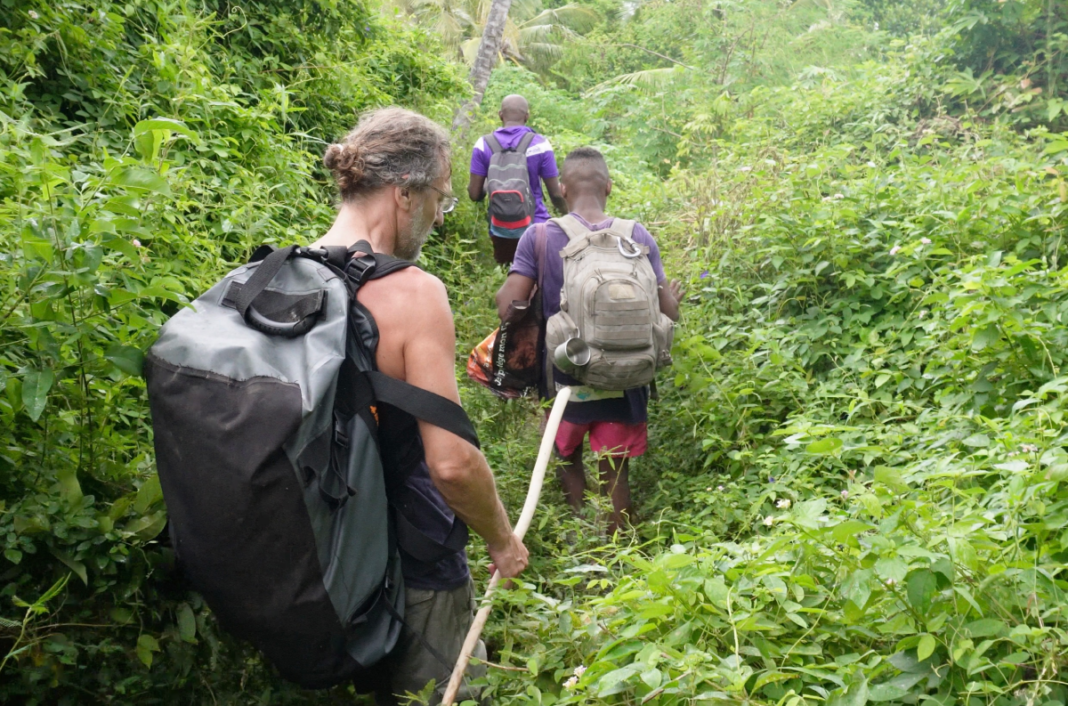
x=332, y=158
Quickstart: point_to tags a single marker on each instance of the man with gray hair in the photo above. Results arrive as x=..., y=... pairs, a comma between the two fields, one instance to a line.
x=394, y=177
x=514, y=135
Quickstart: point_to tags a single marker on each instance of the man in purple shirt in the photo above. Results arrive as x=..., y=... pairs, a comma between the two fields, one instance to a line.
x=541, y=166
x=614, y=420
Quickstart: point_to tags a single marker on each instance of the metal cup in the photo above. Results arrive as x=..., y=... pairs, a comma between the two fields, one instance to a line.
x=571, y=354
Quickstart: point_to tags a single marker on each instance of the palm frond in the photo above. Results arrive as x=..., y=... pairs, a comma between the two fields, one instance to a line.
x=650, y=79
x=571, y=16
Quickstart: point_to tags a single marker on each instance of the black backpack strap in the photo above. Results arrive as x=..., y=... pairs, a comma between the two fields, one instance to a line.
x=423, y=404
x=524, y=144
x=416, y=544
x=493, y=142
x=268, y=268
x=337, y=255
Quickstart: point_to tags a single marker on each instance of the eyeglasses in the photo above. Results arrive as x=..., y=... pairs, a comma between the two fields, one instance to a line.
x=450, y=201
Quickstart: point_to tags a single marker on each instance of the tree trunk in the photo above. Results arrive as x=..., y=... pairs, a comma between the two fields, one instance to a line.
x=489, y=50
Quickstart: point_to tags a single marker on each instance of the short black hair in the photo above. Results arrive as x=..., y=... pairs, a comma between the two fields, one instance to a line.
x=586, y=167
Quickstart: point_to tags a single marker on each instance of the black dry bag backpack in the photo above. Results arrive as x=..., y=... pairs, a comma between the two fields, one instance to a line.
x=264, y=402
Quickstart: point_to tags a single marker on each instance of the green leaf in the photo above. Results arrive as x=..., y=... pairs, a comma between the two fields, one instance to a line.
x=677, y=561
x=122, y=616
x=891, y=569
x=926, y=647
x=652, y=677
x=35, y=387
x=147, y=527
x=148, y=494
x=142, y=179
x=69, y=487
x=985, y=337
x=848, y=531
x=827, y=445
x=716, y=590
x=146, y=645
x=76, y=566
x=985, y=627
x=922, y=587
x=978, y=441
x=856, y=694
x=128, y=359
x=187, y=624
x=121, y=244
x=857, y=587
x=891, y=478
x=887, y=692
x=807, y=514
x=615, y=681
x=164, y=124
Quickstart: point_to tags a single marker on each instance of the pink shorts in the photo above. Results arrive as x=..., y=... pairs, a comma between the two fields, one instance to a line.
x=612, y=438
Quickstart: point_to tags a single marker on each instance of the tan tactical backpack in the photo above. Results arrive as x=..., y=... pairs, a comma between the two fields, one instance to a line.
x=609, y=303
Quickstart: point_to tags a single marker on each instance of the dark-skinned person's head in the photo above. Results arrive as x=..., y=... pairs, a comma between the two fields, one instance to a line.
x=396, y=162
x=585, y=173
x=514, y=110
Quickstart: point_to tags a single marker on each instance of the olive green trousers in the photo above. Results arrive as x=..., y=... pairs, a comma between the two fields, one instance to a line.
x=442, y=618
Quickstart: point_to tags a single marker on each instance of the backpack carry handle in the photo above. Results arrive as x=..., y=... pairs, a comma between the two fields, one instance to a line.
x=300, y=312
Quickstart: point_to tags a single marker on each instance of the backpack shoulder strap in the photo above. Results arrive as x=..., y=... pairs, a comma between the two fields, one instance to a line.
x=571, y=226
x=423, y=404
x=524, y=144
x=541, y=247
x=367, y=265
x=493, y=143
x=623, y=228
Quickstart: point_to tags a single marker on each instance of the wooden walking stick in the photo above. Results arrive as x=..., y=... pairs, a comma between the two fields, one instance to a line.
x=521, y=526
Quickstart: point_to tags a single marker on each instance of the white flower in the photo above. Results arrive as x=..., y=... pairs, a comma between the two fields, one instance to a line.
x=923, y=313
x=720, y=488
x=570, y=683
x=136, y=243
x=745, y=169
x=769, y=520
x=33, y=15
x=783, y=504
x=895, y=250
x=826, y=199
x=845, y=494
x=838, y=197
x=1028, y=448
x=871, y=165
x=580, y=670
x=891, y=582
x=925, y=241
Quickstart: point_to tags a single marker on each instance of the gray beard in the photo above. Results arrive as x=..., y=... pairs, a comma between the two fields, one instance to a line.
x=410, y=243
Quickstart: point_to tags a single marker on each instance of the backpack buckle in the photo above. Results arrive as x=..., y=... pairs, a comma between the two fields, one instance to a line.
x=359, y=267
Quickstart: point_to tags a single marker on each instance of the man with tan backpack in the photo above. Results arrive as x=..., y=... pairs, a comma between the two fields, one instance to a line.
x=609, y=312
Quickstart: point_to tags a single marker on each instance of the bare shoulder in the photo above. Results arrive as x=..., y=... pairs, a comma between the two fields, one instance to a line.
x=422, y=288
x=410, y=299
x=409, y=285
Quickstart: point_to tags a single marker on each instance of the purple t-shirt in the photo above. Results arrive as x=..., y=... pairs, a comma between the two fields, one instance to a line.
x=541, y=162
x=632, y=407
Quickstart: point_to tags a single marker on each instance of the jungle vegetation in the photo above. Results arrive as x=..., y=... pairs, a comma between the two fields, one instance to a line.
x=857, y=485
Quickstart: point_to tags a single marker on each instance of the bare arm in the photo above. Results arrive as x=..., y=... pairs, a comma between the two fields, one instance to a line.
x=459, y=470
x=556, y=195
x=475, y=187
x=670, y=296
x=515, y=288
